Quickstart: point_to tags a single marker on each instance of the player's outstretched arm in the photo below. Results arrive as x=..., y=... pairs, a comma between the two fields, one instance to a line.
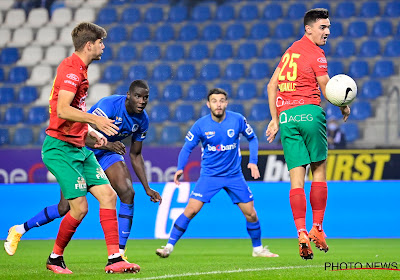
x=273, y=125
x=345, y=112
x=255, y=173
x=177, y=176
x=138, y=166
x=95, y=139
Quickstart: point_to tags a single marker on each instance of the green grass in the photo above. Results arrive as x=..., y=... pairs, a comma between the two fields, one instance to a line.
x=214, y=258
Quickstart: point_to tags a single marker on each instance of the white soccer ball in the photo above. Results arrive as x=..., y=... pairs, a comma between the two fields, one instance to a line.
x=341, y=90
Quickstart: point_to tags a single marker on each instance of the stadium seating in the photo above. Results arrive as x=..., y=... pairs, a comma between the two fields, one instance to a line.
x=223, y=51
x=371, y=89
x=14, y=18
x=209, y=72
x=335, y=67
x=151, y=53
x=357, y=29
x=370, y=48
x=392, y=9
x=236, y=107
x=358, y=69
x=5, y=37
x=130, y=15
x=234, y=71
x=126, y=53
x=159, y=113
x=60, y=17
x=259, y=31
x=185, y=72
x=46, y=36
x=332, y=112
x=351, y=131
x=204, y=110
x=112, y=74
x=360, y=110
x=392, y=48
x=336, y=30
x=13, y=115
x=153, y=15
x=382, y=29
x=196, y=92
x=200, y=13
x=117, y=34
x=23, y=136
x=211, y=32
x=54, y=55
x=177, y=14
x=345, y=49
x=369, y=9
x=162, y=72
x=273, y=11
x=21, y=38
x=85, y=14
x=296, y=11
x=170, y=134
x=9, y=56
x=37, y=17
x=225, y=13
x=27, y=94
x=235, y=31
x=259, y=71
x=107, y=16
x=140, y=33
x=247, y=51
x=184, y=113
x=345, y=10
x=4, y=137
x=164, y=33
x=18, y=74
x=271, y=50
x=38, y=115
x=260, y=112
x=383, y=69
x=151, y=135
x=284, y=30
x=198, y=52
x=225, y=86
x=174, y=52
x=172, y=92
x=40, y=75
x=246, y=91
x=137, y=72
x=248, y=12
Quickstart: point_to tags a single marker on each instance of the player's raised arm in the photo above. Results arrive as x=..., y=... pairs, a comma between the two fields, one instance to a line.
x=273, y=125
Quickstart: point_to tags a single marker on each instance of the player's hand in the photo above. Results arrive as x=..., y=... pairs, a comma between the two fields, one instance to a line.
x=100, y=140
x=106, y=125
x=154, y=195
x=178, y=175
x=255, y=173
x=345, y=112
x=117, y=147
x=272, y=130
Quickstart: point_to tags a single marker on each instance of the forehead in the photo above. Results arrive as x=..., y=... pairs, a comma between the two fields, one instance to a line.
x=140, y=91
x=322, y=21
x=217, y=96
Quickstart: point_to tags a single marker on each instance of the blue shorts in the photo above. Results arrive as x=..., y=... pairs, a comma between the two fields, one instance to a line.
x=109, y=158
x=236, y=187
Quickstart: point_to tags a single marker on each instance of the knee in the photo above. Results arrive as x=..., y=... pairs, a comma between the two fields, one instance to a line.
x=63, y=208
x=190, y=212
x=252, y=217
x=127, y=195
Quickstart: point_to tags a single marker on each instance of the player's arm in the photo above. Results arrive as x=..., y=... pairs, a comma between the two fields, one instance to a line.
x=95, y=139
x=272, y=88
x=67, y=112
x=248, y=132
x=138, y=166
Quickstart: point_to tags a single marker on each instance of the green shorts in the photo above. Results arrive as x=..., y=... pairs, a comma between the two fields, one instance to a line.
x=76, y=169
x=303, y=135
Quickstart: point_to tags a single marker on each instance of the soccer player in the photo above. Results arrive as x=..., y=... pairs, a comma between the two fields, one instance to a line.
x=65, y=155
x=296, y=109
x=132, y=120
x=220, y=169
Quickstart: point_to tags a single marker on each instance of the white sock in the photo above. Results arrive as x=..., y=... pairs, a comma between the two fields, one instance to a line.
x=113, y=256
x=54, y=256
x=122, y=252
x=170, y=247
x=258, y=249
x=20, y=229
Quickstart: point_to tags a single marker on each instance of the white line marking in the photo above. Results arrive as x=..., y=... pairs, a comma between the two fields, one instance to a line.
x=223, y=271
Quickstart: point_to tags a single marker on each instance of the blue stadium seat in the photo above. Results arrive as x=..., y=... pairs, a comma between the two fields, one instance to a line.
x=7, y=95
x=210, y=72
x=260, y=112
x=151, y=53
x=126, y=53
x=188, y=32
x=246, y=91
x=117, y=2
x=130, y=15
x=177, y=14
x=185, y=72
x=357, y=29
x=113, y=73
x=371, y=89
x=361, y=110
x=382, y=29
x=345, y=49
x=184, y=113
x=259, y=31
x=164, y=33
x=198, y=52
x=1, y=75
x=201, y=13
x=336, y=30
x=159, y=113
x=296, y=11
x=153, y=15
x=172, y=92
x=196, y=92
x=151, y=135
x=174, y=52
x=248, y=12
x=235, y=71
x=235, y=31
x=212, y=32
x=27, y=94
x=38, y=115
x=345, y=10
x=383, y=69
x=225, y=13
x=9, y=56
x=13, y=115
x=324, y=5
x=392, y=9
x=137, y=72
x=284, y=30
x=259, y=71
x=247, y=51
x=170, y=134
x=333, y=112
x=140, y=33
x=223, y=51
x=117, y=34
x=326, y=49
x=273, y=11
x=369, y=9
x=351, y=131
x=271, y=50
x=4, y=137
x=162, y=72
x=236, y=107
x=41, y=136
x=122, y=89
x=153, y=90
x=18, y=74
x=23, y=136
x=225, y=86
x=392, y=48
x=358, y=69
x=106, y=16
x=107, y=55
x=204, y=110
x=370, y=48
x=335, y=67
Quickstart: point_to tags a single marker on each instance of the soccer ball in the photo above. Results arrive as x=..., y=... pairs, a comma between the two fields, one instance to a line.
x=341, y=90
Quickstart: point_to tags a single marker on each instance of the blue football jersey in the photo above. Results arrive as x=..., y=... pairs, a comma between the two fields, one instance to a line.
x=113, y=107
x=221, y=151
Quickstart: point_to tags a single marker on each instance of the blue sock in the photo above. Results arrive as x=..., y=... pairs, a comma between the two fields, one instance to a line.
x=179, y=229
x=124, y=223
x=45, y=216
x=254, y=231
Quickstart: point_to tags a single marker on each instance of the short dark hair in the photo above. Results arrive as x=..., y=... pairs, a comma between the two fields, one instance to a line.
x=86, y=32
x=216, y=91
x=313, y=15
x=138, y=83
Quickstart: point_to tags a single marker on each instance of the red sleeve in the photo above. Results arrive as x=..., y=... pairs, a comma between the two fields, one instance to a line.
x=70, y=79
x=319, y=65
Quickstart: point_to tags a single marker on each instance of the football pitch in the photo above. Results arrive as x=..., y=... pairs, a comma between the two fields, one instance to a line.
x=211, y=259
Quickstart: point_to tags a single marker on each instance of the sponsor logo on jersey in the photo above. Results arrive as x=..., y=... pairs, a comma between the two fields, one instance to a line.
x=99, y=112
x=209, y=134
x=196, y=194
x=73, y=77
x=70, y=82
x=283, y=118
x=280, y=102
x=231, y=133
x=143, y=135
x=135, y=127
x=100, y=173
x=81, y=183
x=221, y=147
x=118, y=120
x=189, y=136
x=323, y=66
x=321, y=60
